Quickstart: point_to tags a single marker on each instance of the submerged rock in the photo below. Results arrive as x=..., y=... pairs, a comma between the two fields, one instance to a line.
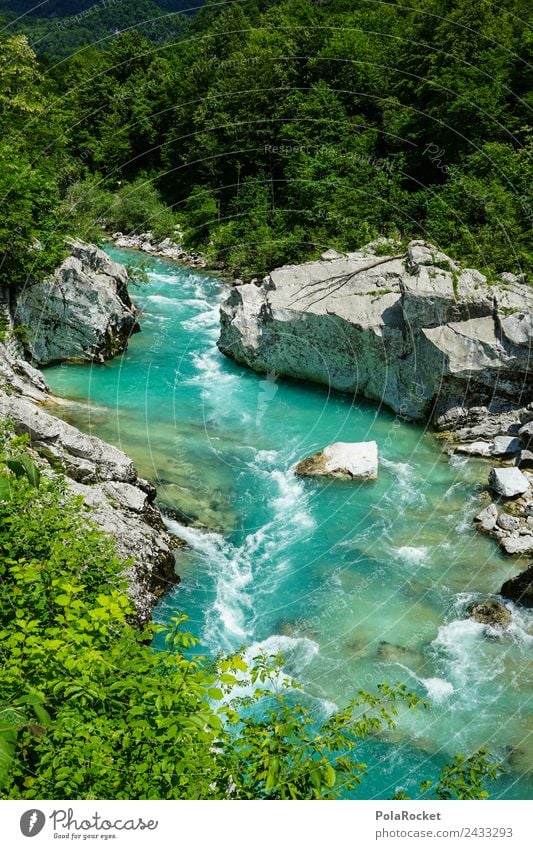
x=83, y=312
x=414, y=331
x=508, y=482
x=520, y=588
x=490, y=612
x=346, y=460
x=392, y=653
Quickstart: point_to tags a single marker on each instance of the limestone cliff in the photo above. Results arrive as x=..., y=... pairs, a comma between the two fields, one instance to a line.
x=414, y=330
x=82, y=312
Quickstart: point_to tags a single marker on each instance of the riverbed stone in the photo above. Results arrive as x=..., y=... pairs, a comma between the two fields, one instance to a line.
x=508, y=481
x=487, y=518
x=508, y=522
x=347, y=460
x=526, y=435
x=477, y=449
x=330, y=254
x=505, y=445
x=521, y=545
x=490, y=612
x=414, y=331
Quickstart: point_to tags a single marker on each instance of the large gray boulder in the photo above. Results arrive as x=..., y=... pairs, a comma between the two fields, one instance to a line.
x=82, y=312
x=414, y=331
x=508, y=481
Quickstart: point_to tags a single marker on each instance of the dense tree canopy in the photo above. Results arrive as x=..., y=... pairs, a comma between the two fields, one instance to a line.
x=274, y=129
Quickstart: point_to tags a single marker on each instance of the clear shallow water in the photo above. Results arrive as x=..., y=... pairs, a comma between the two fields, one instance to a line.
x=355, y=583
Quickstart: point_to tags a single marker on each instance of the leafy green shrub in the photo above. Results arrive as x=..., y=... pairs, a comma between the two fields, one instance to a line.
x=86, y=207
x=137, y=207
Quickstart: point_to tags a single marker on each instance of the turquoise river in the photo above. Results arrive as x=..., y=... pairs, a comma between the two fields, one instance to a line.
x=354, y=583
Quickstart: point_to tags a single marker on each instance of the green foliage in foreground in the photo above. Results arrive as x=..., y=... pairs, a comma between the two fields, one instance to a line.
x=89, y=710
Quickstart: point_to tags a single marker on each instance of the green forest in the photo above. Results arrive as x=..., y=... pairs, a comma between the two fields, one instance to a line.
x=272, y=130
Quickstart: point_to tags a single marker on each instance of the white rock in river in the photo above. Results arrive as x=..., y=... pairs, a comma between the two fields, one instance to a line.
x=347, y=460
x=508, y=482
x=478, y=449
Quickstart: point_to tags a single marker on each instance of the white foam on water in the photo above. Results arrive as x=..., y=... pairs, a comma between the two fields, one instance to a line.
x=457, y=485
x=413, y=555
x=518, y=631
x=291, y=500
x=168, y=278
x=204, y=320
x=458, y=461
x=231, y=568
x=260, y=558
x=297, y=653
x=163, y=299
x=200, y=304
x=265, y=458
x=438, y=689
x=210, y=374
x=464, y=653
x=406, y=489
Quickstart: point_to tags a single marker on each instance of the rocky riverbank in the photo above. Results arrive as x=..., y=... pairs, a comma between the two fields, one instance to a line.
x=89, y=305
x=166, y=248
x=416, y=331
